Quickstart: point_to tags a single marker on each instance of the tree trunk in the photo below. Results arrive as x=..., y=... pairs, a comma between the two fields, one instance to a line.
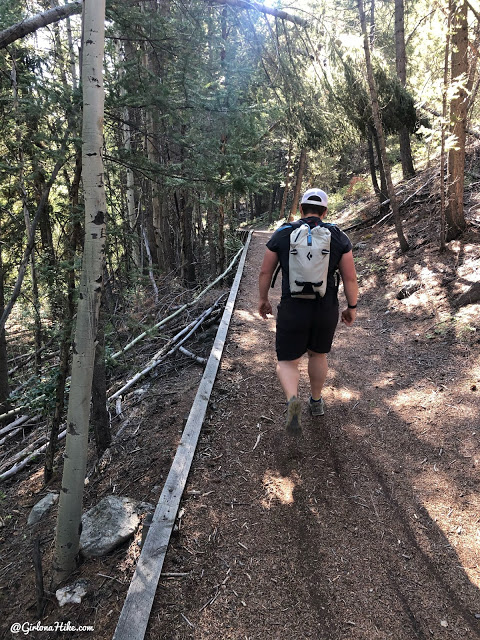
x=273, y=199
x=185, y=215
x=221, y=233
x=71, y=495
x=287, y=182
x=443, y=135
x=298, y=185
x=371, y=161
x=133, y=236
x=35, y=296
x=383, y=191
x=211, y=237
x=401, y=64
x=454, y=213
x=4, y=384
x=379, y=128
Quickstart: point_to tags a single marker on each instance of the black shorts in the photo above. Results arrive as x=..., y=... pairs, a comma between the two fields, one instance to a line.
x=305, y=324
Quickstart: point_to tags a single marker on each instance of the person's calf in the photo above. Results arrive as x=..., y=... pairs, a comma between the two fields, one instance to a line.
x=289, y=375
x=317, y=373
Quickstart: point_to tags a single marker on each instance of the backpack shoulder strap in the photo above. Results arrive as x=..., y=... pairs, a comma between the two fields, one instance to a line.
x=286, y=225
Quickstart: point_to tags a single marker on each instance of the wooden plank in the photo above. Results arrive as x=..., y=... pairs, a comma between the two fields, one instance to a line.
x=133, y=620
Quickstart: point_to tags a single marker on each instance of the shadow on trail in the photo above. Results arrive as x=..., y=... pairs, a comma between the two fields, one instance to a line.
x=376, y=561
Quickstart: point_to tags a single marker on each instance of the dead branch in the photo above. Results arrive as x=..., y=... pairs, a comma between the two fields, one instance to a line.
x=22, y=454
x=128, y=346
x=161, y=355
x=13, y=425
x=188, y=353
x=23, y=463
x=31, y=356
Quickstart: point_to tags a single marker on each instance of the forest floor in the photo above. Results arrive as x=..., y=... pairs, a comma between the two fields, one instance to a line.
x=365, y=527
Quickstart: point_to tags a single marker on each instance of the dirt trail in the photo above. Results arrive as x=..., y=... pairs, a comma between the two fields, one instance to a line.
x=366, y=526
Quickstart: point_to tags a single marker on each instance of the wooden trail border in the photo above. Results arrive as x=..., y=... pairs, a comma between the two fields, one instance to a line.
x=133, y=620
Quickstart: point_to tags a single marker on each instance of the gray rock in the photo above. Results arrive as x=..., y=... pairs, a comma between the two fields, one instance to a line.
x=41, y=508
x=73, y=593
x=110, y=523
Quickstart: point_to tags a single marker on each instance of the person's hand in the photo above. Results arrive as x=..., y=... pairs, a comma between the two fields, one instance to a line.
x=348, y=316
x=264, y=308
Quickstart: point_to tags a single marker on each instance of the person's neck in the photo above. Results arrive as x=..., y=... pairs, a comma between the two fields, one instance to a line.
x=313, y=215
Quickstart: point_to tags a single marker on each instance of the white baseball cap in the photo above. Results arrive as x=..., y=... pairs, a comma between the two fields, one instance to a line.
x=315, y=196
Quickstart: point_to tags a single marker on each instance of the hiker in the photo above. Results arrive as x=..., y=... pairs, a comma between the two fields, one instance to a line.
x=307, y=325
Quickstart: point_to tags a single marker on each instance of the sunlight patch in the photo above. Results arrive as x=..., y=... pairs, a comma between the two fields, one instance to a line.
x=345, y=395
x=247, y=316
x=278, y=487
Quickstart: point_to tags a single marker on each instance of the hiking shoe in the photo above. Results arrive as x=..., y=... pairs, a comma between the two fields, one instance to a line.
x=294, y=412
x=317, y=407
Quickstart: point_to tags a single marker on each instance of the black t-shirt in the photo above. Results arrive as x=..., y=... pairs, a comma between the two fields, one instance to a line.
x=280, y=244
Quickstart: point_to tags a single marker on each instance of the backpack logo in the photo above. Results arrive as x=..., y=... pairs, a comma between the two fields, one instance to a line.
x=309, y=256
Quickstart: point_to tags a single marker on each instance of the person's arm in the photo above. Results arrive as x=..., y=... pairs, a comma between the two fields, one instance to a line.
x=270, y=261
x=350, y=287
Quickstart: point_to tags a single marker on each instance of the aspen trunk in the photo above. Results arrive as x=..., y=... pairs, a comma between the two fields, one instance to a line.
x=90, y=289
x=379, y=128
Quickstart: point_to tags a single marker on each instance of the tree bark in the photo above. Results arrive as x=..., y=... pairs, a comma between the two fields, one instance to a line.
x=287, y=181
x=4, y=384
x=401, y=64
x=454, y=213
x=71, y=496
x=371, y=162
x=131, y=221
x=379, y=128
x=211, y=237
x=298, y=185
x=442, y=141
x=185, y=215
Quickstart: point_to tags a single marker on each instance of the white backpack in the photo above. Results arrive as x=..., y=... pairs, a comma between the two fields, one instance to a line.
x=308, y=261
